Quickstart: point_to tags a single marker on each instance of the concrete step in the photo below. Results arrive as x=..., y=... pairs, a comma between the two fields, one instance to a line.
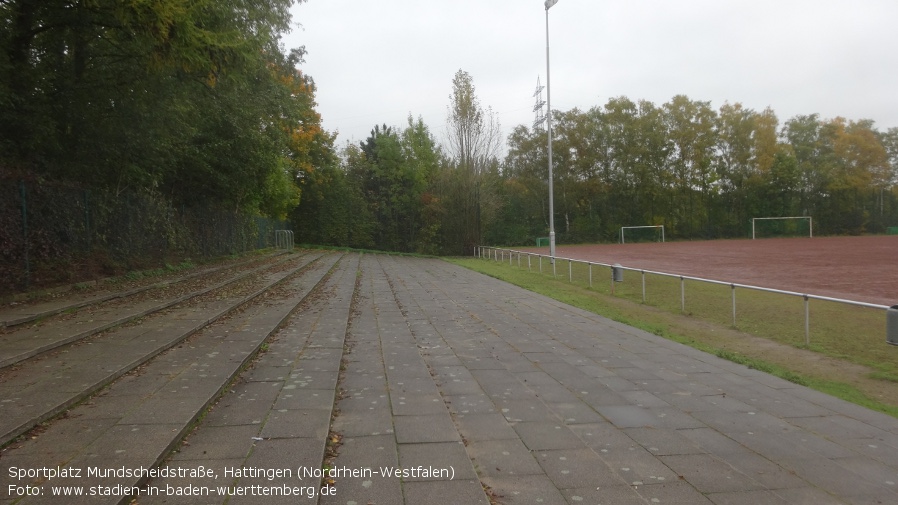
x=41, y=388
x=71, y=298
x=23, y=343
x=138, y=420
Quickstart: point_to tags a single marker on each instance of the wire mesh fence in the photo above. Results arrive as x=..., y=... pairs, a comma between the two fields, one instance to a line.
x=54, y=233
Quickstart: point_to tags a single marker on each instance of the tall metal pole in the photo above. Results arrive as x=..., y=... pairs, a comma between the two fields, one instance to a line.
x=548, y=4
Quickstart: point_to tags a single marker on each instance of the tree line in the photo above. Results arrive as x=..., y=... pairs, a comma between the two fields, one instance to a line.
x=700, y=172
x=197, y=103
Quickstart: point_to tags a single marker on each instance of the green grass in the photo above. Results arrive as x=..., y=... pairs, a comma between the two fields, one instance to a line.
x=762, y=366
x=885, y=376
x=136, y=275
x=849, y=333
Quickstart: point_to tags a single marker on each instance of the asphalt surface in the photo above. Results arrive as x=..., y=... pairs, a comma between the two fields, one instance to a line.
x=377, y=379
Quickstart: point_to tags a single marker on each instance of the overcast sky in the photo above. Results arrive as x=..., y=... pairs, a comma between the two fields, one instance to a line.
x=376, y=62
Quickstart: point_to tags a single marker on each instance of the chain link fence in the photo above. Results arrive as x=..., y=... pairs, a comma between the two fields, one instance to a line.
x=55, y=233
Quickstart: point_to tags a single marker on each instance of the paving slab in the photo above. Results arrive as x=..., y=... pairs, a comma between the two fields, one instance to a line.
x=535, y=489
x=577, y=468
x=472, y=390
x=624, y=495
x=678, y=404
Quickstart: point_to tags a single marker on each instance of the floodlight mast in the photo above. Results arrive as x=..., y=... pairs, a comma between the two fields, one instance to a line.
x=549, y=4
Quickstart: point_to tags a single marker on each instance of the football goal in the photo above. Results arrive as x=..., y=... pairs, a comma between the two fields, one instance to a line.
x=801, y=226
x=654, y=233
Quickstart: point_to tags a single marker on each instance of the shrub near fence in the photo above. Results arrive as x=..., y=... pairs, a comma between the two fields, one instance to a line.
x=56, y=233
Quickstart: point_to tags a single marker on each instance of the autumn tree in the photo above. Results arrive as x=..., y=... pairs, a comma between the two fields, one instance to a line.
x=423, y=158
x=524, y=190
x=187, y=99
x=333, y=209
x=691, y=130
x=468, y=188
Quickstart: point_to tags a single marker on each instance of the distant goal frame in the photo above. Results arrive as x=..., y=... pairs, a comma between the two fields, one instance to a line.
x=622, y=228
x=809, y=218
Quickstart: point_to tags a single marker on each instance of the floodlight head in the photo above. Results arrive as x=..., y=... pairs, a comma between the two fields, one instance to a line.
x=550, y=3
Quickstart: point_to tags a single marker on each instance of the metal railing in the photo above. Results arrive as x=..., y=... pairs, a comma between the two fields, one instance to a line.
x=499, y=254
x=283, y=239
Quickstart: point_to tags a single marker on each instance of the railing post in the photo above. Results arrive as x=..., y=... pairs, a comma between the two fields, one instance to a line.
x=590, y=274
x=733, y=287
x=570, y=270
x=807, y=321
x=540, y=263
x=682, y=294
x=528, y=261
x=643, y=286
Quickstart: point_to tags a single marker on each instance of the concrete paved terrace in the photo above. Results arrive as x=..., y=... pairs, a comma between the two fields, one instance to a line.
x=331, y=378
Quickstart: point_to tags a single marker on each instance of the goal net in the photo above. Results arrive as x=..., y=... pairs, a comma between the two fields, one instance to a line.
x=767, y=227
x=632, y=234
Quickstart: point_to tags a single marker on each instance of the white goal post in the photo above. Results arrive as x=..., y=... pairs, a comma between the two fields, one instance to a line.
x=810, y=223
x=622, y=228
